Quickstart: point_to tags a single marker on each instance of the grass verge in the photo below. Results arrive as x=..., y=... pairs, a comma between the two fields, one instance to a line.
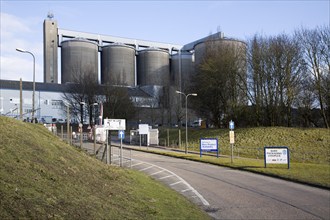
x=310, y=145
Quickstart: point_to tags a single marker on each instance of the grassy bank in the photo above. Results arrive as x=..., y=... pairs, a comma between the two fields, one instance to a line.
x=42, y=177
x=306, y=145
x=309, y=151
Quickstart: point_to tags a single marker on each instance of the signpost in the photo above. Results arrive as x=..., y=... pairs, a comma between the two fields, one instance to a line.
x=231, y=138
x=115, y=125
x=277, y=155
x=121, y=136
x=231, y=125
x=209, y=144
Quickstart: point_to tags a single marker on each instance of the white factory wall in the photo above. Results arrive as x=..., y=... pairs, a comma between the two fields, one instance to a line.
x=48, y=105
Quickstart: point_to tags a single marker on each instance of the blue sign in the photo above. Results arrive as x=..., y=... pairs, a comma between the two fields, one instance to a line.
x=121, y=134
x=231, y=125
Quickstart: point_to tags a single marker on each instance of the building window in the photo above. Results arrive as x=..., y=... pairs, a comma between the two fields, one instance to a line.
x=57, y=104
x=27, y=110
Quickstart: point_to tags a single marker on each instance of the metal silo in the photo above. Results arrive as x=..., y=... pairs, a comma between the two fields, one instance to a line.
x=187, y=69
x=212, y=46
x=118, y=65
x=153, y=67
x=220, y=48
x=79, y=60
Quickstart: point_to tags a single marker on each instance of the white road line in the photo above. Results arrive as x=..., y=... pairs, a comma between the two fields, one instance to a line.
x=147, y=168
x=157, y=172
x=172, y=184
x=185, y=190
x=204, y=201
x=137, y=164
x=164, y=177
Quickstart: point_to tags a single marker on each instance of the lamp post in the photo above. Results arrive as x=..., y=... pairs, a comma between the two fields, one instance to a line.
x=34, y=83
x=186, y=95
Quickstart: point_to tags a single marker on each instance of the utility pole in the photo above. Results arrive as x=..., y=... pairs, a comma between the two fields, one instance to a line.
x=68, y=122
x=21, y=99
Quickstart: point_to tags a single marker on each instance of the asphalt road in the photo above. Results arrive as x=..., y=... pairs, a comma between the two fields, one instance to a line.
x=231, y=194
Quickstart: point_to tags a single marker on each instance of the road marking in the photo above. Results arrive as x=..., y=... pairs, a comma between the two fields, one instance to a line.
x=185, y=190
x=172, y=184
x=204, y=201
x=147, y=168
x=165, y=177
x=136, y=164
x=157, y=172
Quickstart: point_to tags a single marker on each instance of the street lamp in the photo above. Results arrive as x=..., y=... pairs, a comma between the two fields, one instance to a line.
x=34, y=82
x=190, y=94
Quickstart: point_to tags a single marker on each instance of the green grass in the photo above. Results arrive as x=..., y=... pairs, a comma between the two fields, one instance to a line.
x=42, y=177
x=309, y=151
x=306, y=145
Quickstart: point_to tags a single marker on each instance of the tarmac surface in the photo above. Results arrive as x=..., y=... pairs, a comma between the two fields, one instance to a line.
x=223, y=193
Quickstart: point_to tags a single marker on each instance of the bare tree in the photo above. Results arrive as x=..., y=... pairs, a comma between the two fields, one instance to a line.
x=276, y=70
x=82, y=93
x=316, y=48
x=118, y=103
x=218, y=82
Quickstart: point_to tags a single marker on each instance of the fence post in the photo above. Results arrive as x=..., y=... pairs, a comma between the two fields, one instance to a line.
x=168, y=137
x=71, y=135
x=94, y=136
x=179, y=138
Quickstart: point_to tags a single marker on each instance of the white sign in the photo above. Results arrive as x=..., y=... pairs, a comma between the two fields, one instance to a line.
x=231, y=137
x=209, y=144
x=115, y=124
x=276, y=155
x=143, y=129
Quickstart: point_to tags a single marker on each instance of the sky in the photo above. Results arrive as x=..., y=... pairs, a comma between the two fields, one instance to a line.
x=174, y=22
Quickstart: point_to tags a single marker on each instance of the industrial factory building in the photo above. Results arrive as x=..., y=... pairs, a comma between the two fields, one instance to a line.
x=146, y=69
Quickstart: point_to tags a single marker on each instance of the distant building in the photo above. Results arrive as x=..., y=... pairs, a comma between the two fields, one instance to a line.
x=151, y=71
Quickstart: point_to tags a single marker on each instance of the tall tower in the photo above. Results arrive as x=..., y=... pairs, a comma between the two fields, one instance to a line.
x=50, y=50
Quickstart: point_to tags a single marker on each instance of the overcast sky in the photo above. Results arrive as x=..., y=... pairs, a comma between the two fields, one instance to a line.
x=175, y=22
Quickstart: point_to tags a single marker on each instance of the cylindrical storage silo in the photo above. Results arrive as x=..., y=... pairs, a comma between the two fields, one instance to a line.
x=118, y=65
x=79, y=61
x=212, y=47
x=226, y=50
x=153, y=67
x=181, y=72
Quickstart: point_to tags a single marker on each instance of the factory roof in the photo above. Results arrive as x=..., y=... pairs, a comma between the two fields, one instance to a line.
x=60, y=88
